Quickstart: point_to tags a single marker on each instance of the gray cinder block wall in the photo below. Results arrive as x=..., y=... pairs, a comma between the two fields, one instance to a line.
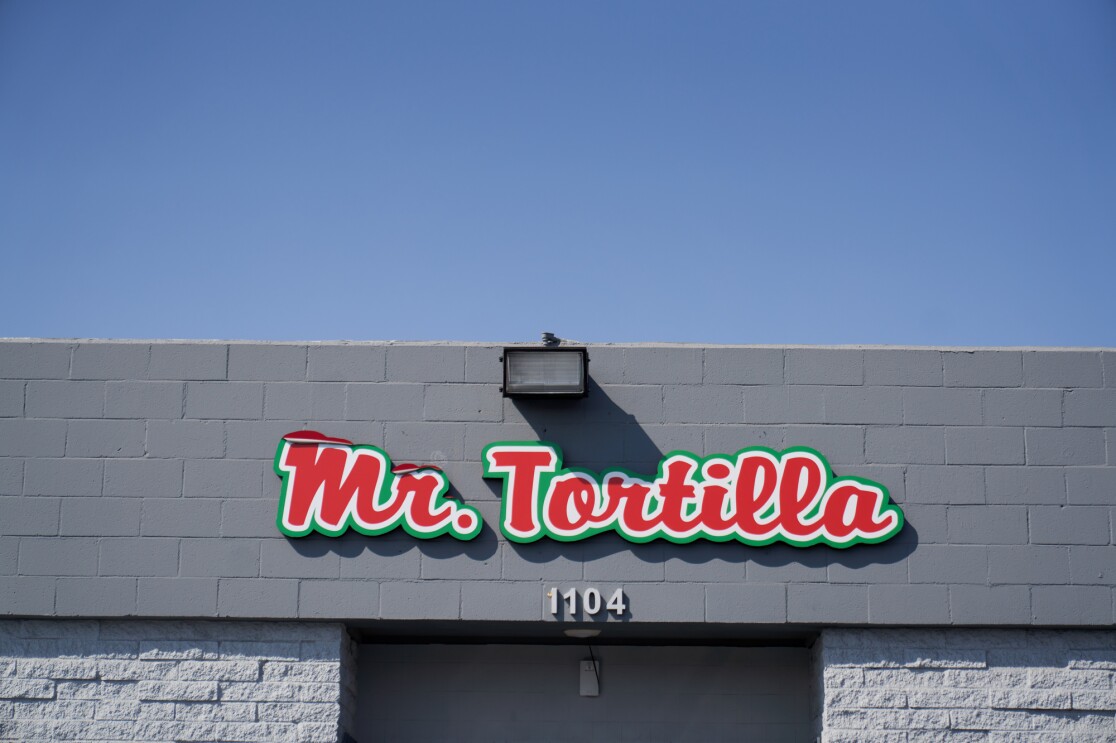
x=136, y=481
x=171, y=680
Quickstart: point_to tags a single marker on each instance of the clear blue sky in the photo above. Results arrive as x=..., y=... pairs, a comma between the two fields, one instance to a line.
x=723, y=172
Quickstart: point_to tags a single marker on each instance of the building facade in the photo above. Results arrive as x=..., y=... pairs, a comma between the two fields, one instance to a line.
x=148, y=591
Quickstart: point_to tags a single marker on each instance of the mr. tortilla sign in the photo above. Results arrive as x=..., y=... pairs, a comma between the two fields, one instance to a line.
x=756, y=496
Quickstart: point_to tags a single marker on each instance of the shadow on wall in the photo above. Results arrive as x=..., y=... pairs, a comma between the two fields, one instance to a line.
x=586, y=431
x=596, y=433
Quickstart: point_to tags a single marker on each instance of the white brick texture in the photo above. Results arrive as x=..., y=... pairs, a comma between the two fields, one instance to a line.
x=174, y=680
x=1023, y=686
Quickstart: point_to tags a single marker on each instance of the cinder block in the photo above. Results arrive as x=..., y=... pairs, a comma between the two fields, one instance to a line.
x=267, y=361
x=105, y=438
x=905, y=444
x=380, y=559
x=824, y=366
x=1083, y=407
x=358, y=431
x=100, y=517
x=743, y=366
x=908, y=604
x=26, y=595
x=1062, y=369
x=706, y=403
x=260, y=439
x=346, y=363
x=941, y=406
x=1028, y=565
x=65, y=399
x=799, y=404
x=643, y=562
x=983, y=368
x=1022, y=407
x=1092, y=566
x=246, y=518
x=1025, y=485
x=838, y=444
x=949, y=564
x=830, y=604
x=781, y=563
x=987, y=524
x=1073, y=605
x=32, y=438
x=1091, y=486
x=662, y=365
x=606, y=364
x=435, y=363
x=224, y=400
x=453, y=560
x=984, y=445
x=110, y=361
x=185, y=517
x=294, y=401
x=384, y=402
x=462, y=402
x=11, y=397
x=1065, y=446
x=106, y=597
x=863, y=405
x=223, y=478
x=875, y=566
x=984, y=605
x=906, y=368
x=483, y=365
x=730, y=439
x=38, y=360
x=257, y=597
x=1069, y=525
x=339, y=599
x=501, y=601
x=185, y=439
x=599, y=445
x=303, y=558
x=426, y=442
x=57, y=556
x=614, y=403
x=420, y=600
x=11, y=476
x=186, y=361
x=1108, y=362
x=665, y=602
x=144, y=400
x=746, y=603
x=949, y=485
x=29, y=516
x=219, y=558
x=63, y=476
x=177, y=597
x=153, y=478
x=141, y=556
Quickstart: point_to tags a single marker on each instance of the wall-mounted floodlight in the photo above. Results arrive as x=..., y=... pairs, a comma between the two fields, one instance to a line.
x=546, y=372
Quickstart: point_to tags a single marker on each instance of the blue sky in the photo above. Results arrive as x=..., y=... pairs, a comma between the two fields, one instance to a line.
x=931, y=173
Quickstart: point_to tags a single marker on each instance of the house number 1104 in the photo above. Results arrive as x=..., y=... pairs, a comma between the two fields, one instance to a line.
x=590, y=601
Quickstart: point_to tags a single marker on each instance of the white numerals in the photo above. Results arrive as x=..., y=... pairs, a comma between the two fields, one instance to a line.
x=590, y=601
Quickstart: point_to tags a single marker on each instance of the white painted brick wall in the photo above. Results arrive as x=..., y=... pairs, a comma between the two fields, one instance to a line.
x=173, y=680
x=993, y=686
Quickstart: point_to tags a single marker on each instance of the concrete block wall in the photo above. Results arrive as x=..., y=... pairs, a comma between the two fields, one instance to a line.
x=136, y=480
x=102, y=680
x=987, y=685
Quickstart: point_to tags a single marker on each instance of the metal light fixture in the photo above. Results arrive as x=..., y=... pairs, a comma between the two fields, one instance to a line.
x=547, y=371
